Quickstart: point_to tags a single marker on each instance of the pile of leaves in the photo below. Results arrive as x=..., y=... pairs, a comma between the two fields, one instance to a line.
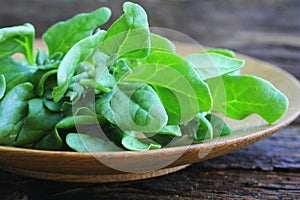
x=123, y=88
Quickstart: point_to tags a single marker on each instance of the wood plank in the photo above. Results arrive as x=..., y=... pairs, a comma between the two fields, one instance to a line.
x=192, y=183
x=267, y=169
x=276, y=153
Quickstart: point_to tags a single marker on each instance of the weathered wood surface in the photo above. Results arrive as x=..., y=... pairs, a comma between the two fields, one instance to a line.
x=269, y=169
x=265, y=29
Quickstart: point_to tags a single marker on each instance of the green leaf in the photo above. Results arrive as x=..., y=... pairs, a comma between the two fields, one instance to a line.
x=130, y=142
x=121, y=68
x=37, y=124
x=177, y=84
x=224, y=52
x=52, y=106
x=246, y=95
x=103, y=107
x=219, y=126
x=205, y=129
x=129, y=35
x=210, y=65
x=47, y=63
x=2, y=86
x=172, y=130
x=136, y=107
x=77, y=54
x=72, y=121
x=17, y=39
x=62, y=36
x=102, y=74
x=41, y=84
x=160, y=43
x=51, y=141
x=54, y=141
x=13, y=109
x=15, y=73
x=86, y=143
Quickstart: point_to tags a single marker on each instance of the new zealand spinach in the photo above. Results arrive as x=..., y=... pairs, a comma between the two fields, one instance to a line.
x=126, y=80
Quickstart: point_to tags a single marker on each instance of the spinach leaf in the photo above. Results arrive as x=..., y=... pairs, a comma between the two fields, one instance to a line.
x=102, y=75
x=246, y=95
x=130, y=142
x=121, y=68
x=210, y=65
x=15, y=73
x=224, y=52
x=77, y=54
x=172, y=130
x=17, y=39
x=205, y=129
x=41, y=84
x=13, y=109
x=62, y=36
x=54, y=140
x=129, y=35
x=177, y=84
x=38, y=123
x=51, y=141
x=160, y=43
x=98, y=76
x=53, y=106
x=86, y=143
x=136, y=107
x=219, y=126
x=2, y=86
x=103, y=108
x=47, y=63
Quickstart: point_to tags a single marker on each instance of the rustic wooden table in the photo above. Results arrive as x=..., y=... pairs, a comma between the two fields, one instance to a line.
x=265, y=29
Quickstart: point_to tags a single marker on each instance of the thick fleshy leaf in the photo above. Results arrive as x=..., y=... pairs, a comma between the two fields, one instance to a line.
x=13, y=109
x=54, y=140
x=103, y=108
x=160, y=43
x=86, y=143
x=219, y=126
x=246, y=95
x=37, y=123
x=224, y=52
x=17, y=39
x=136, y=107
x=130, y=142
x=129, y=35
x=205, y=129
x=172, y=130
x=61, y=37
x=211, y=64
x=177, y=84
x=15, y=73
x=77, y=54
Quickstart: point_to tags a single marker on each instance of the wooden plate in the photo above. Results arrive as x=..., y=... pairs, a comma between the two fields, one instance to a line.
x=124, y=166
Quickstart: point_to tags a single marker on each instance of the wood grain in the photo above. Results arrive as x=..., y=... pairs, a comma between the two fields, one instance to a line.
x=268, y=169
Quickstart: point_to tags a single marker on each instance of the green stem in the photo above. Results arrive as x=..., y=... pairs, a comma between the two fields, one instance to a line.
x=93, y=84
x=28, y=50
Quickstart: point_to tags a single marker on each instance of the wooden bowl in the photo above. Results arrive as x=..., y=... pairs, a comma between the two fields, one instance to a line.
x=125, y=166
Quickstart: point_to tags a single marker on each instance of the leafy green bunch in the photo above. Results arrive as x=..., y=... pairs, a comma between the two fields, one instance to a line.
x=125, y=79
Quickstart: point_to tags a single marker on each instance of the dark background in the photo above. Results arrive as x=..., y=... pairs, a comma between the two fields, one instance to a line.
x=265, y=29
